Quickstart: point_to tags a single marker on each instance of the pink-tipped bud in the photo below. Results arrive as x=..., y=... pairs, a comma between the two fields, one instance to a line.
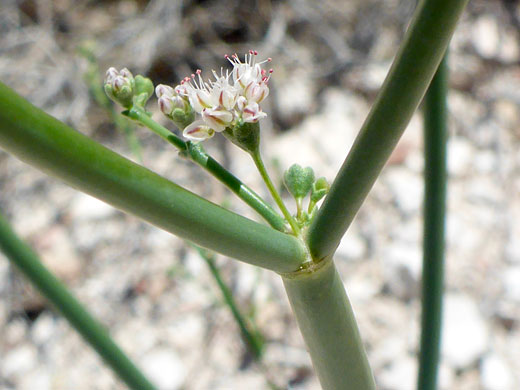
x=164, y=90
x=165, y=105
x=118, y=83
x=111, y=74
x=256, y=92
x=126, y=73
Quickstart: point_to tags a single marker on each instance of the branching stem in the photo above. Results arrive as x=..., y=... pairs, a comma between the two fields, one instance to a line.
x=197, y=154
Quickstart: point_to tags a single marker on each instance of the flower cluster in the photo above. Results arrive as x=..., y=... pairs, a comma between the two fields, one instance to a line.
x=232, y=98
x=119, y=86
x=125, y=89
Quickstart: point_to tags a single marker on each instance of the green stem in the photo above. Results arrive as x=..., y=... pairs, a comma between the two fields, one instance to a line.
x=435, y=137
x=252, y=338
x=412, y=71
x=21, y=255
x=199, y=156
x=257, y=158
x=43, y=141
x=328, y=326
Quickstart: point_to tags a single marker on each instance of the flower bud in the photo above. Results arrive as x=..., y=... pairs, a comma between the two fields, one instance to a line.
x=256, y=92
x=143, y=85
x=299, y=180
x=119, y=86
x=320, y=188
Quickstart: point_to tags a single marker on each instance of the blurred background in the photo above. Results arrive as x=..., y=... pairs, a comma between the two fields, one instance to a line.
x=155, y=293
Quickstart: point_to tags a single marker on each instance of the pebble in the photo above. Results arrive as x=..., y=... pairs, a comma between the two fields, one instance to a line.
x=43, y=328
x=19, y=360
x=465, y=333
x=87, y=208
x=460, y=156
x=496, y=374
x=407, y=189
x=400, y=375
x=402, y=269
x=164, y=368
x=352, y=245
x=486, y=36
x=511, y=282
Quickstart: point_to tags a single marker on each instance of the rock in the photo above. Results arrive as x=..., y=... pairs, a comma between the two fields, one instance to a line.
x=490, y=40
x=57, y=252
x=31, y=220
x=486, y=36
x=352, y=245
x=374, y=74
x=186, y=332
x=407, y=189
x=511, y=282
x=44, y=327
x=19, y=360
x=322, y=140
x=402, y=268
x=86, y=208
x=39, y=379
x=296, y=95
x=495, y=374
x=164, y=368
x=465, y=333
x=446, y=377
x=400, y=375
x=460, y=156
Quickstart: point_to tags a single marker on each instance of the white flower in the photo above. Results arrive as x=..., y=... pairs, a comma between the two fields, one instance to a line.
x=217, y=118
x=252, y=113
x=221, y=101
x=248, y=71
x=198, y=131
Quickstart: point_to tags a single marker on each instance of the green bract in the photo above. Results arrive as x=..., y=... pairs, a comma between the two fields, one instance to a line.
x=299, y=180
x=319, y=189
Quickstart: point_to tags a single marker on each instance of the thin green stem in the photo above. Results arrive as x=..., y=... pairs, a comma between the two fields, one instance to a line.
x=326, y=320
x=252, y=338
x=412, y=71
x=435, y=177
x=50, y=145
x=142, y=117
x=22, y=256
x=197, y=154
x=257, y=158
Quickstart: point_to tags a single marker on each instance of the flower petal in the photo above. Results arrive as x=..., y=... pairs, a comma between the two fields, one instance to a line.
x=198, y=131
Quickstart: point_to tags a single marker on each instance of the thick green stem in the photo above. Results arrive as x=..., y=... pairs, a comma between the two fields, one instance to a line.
x=43, y=141
x=257, y=158
x=199, y=156
x=328, y=326
x=92, y=331
x=416, y=62
x=435, y=136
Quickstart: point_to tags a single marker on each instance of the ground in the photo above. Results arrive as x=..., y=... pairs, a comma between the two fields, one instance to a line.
x=155, y=294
